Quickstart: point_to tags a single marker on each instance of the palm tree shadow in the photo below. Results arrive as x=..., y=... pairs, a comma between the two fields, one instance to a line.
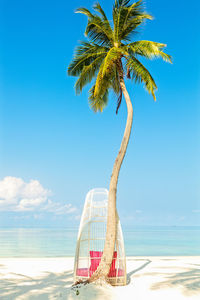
x=188, y=281
x=136, y=270
x=49, y=284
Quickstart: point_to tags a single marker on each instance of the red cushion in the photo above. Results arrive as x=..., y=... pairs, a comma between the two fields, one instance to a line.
x=95, y=261
x=120, y=272
x=84, y=272
x=114, y=273
x=112, y=268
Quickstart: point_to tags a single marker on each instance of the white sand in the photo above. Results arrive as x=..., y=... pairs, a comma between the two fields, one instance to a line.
x=150, y=278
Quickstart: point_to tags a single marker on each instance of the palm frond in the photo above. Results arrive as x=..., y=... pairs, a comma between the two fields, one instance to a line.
x=97, y=7
x=98, y=28
x=127, y=18
x=113, y=55
x=107, y=67
x=115, y=81
x=130, y=27
x=84, y=11
x=97, y=104
x=88, y=73
x=141, y=74
x=109, y=46
x=108, y=80
x=99, y=31
x=99, y=82
x=149, y=50
x=119, y=100
x=121, y=3
x=85, y=54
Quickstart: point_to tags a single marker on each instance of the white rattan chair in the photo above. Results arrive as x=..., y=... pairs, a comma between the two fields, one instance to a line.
x=91, y=239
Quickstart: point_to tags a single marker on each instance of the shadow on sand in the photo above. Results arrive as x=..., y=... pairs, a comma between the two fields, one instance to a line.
x=48, y=286
x=188, y=281
x=136, y=270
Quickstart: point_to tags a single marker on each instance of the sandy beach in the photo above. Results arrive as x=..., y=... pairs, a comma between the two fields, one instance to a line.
x=148, y=278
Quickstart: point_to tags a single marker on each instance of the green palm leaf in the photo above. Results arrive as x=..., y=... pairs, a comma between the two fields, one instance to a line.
x=99, y=31
x=127, y=18
x=85, y=54
x=113, y=55
x=141, y=74
x=97, y=104
x=109, y=52
x=88, y=73
x=149, y=49
x=97, y=7
x=84, y=11
x=98, y=28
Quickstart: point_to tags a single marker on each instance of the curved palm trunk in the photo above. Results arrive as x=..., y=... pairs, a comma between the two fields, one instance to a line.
x=112, y=218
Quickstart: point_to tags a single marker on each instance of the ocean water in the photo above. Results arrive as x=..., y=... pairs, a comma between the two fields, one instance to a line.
x=139, y=241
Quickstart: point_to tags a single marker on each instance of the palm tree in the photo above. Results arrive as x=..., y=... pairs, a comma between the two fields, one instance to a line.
x=106, y=59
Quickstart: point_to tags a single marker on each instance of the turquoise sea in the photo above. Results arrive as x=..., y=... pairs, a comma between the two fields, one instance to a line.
x=139, y=241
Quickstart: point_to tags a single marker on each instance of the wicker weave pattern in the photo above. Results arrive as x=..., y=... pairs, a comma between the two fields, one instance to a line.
x=91, y=239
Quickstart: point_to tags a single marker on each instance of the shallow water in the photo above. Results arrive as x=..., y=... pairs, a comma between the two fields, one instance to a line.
x=139, y=241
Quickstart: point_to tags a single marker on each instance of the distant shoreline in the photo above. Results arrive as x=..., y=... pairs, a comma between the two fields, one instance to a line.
x=139, y=241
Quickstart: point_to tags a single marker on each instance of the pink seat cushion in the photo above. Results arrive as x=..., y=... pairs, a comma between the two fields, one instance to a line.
x=114, y=273
x=112, y=268
x=83, y=272
x=120, y=272
x=95, y=261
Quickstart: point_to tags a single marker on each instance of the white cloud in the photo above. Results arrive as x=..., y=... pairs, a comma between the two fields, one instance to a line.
x=18, y=195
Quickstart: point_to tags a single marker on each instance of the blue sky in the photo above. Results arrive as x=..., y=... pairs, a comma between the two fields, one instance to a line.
x=53, y=148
